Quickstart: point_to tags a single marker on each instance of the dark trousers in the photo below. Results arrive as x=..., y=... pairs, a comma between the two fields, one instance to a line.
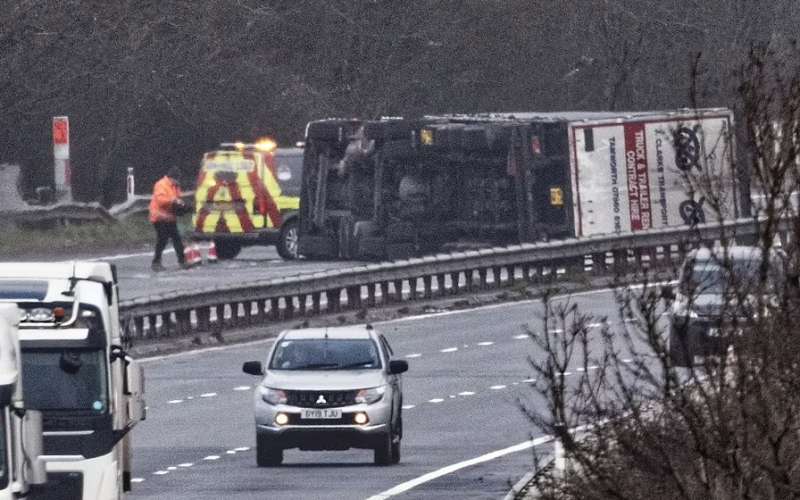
x=164, y=232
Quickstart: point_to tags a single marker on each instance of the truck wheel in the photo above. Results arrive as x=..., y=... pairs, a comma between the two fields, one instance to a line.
x=383, y=451
x=227, y=249
x=397, y=436
x=680, y=350
x=287, y=244
x=267, y=455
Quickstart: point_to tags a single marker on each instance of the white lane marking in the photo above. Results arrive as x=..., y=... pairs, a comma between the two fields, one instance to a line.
x=160, y=472
x=581, y=369
x=430, y=476
x=466, y=393
x=242, y=448
x=211, y=457
x=521, y=337
x=529, y=380
x=627, y=360
x=415, y=355
x=515, y=383
x=567, y=374
x=190, y=397
x=408, y=407
x=449, y=349
x=485, y=343
x=452, y=396
x=175, y=401
x=137, y=479
x=185, y=464
x=230, y=452
x=592, y=367
x=172, y=467
x=242, y=388
x=497, y=387
x=557, y=331
x=594, y=325
x=208, y=395
x=436, y=400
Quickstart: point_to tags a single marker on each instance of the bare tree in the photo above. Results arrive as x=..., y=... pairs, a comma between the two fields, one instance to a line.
x=728, y=427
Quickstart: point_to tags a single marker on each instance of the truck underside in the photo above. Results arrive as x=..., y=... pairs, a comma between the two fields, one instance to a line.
x=397, y=188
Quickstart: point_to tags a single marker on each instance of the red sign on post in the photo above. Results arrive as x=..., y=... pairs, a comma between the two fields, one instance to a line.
x=61, y=153
x=60, y=130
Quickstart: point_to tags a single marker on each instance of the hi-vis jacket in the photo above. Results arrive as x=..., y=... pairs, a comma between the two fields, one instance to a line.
x=165, y=192
x=238, y=192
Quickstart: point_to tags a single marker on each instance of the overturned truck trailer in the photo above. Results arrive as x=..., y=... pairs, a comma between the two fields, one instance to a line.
x=393, y=188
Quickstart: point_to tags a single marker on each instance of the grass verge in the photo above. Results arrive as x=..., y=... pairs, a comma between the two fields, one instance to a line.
x=76, y=240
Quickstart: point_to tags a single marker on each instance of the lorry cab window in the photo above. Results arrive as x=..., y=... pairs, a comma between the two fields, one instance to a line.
x=66, y=379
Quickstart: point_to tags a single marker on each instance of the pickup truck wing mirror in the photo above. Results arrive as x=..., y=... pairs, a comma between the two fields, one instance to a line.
x=253, y=368
x=398, y=366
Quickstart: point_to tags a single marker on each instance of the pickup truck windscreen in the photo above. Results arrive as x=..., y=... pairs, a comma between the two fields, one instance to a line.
x=68, y=379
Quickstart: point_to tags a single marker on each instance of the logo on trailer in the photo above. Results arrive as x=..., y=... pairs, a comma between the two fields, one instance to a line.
x=687, y=148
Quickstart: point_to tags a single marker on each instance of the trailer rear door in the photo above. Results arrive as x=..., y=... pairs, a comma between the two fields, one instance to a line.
x=660, y=171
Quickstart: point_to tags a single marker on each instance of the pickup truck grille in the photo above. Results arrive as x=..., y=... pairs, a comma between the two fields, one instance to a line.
x=320, y=399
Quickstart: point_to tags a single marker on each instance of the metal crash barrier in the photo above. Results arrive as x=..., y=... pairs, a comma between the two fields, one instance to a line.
x=214, y=309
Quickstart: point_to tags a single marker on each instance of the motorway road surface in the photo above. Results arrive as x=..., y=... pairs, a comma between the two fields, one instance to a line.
x=468, y=371
x=253, y=263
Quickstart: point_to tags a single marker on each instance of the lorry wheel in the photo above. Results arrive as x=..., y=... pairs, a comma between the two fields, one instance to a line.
x=680, y=350
x=267, y=455
x=287, y=244
x=227, y=249
x=383, y=451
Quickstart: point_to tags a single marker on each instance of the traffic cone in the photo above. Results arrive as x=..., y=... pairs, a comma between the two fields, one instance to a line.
x=212, y=253
x=191, y=255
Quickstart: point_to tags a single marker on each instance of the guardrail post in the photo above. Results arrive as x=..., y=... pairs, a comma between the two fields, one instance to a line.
x=454, y=283
x=288, y=310
x=620, y=261
x=203, y=319
x=398, y=290
x=412, y=288
x=183, y=323
x=482, y=274
x=315, y=302
x=469, y=276
x=152, y=326
x=353, y=297
x=334, y=300
x=426, y=283
x=497, y=276
x=248, y=313
x=301, y=302
x=371, y=301
x=440, y=285
x=274, y=309
x=138, y=326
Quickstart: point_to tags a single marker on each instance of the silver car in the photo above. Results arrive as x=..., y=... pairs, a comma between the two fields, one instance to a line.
x=329, y=389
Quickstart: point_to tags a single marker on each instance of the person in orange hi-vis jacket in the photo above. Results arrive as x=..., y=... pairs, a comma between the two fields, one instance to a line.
x=164, y=207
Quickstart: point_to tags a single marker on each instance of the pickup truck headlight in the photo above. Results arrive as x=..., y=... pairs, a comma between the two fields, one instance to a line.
x=370, y=396
x=273, y=396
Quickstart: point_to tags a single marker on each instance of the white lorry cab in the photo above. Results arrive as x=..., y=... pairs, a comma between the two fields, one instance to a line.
x=21, y=468
x=76, y=372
